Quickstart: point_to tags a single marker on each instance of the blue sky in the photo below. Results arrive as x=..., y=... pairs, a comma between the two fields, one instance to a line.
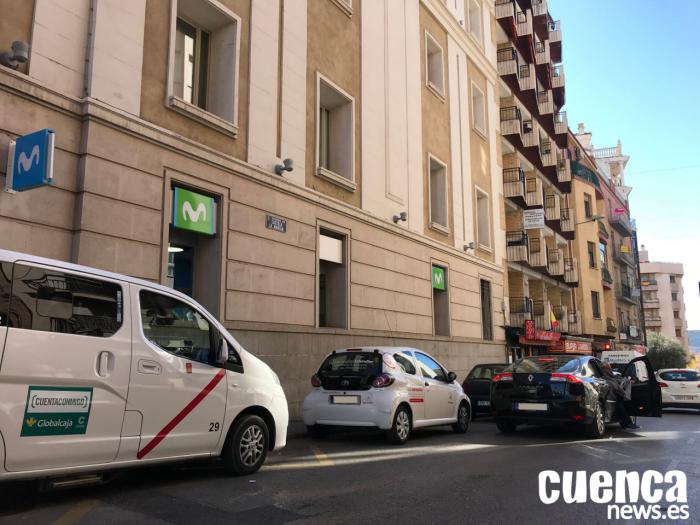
x=632, y=71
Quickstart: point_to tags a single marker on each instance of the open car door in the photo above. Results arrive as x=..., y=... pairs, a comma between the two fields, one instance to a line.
x=646, y=392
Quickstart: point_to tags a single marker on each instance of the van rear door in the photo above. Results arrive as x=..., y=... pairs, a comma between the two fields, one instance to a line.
x=65, y=368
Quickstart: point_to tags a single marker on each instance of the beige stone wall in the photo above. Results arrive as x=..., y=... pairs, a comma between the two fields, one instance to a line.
x=15, y=24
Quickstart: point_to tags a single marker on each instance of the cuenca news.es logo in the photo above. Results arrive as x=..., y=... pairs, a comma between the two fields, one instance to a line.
x=649, y=495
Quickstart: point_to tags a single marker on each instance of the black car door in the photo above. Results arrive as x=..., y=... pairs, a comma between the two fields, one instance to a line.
x=646, y=392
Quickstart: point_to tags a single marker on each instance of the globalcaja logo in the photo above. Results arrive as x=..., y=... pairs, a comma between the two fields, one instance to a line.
x=53, y=411
x=650, y=495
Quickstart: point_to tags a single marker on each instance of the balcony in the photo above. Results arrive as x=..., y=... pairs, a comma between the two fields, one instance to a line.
x=675, y=287
x=677, y=322
x=574, y=322
x=514, y=185
x=505, y=14
x=555, y=40
x=606, y=277
x=549, y=157
x=567, y=223
x=533, y=192
x=571, y=270
x=561, y=124
x=517, y=246
x=623, y=254
x=523, y=24
x=561, y=314
x=621, y=224
x=520, y=311
x=555, y=263
x=558, y=84
x=512, y=124
x=563, y=171
x=652, y=321
x=651, y=302
x=537, y=257
x=540, y=18
x=602, y=231
x=526, y=79
x=650, y=285
x=626, y=293
x=507, y=61
x=542, y=315
x=543, y=63
x=544, y=102
x=676, y=305
x=531, y=136
x=552, y=208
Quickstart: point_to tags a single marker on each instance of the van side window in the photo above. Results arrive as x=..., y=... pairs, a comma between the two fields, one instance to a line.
x=5, y=288
x=52, y=301
x=176, y=327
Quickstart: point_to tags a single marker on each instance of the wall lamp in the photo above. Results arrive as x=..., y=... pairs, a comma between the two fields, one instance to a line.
x=403, y=216
x=287, y=165
x=18, y=55
x=594, y=218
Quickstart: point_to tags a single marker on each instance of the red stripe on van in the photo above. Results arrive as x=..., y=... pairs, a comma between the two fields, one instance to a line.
x=182, y=415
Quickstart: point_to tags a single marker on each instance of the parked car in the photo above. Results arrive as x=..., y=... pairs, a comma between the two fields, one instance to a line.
x=559, y=389
x=394, y=389
x=477, y=385
x=680, y=388
x=100, y=371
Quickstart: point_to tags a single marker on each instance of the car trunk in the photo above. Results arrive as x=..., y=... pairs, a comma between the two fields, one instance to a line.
x=346, y=371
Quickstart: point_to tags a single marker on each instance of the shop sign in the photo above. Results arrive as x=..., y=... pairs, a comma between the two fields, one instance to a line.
x=546, y=335
x=529, y=329
x=574, y=347
x=193, y=211
x=30, y=161
x=533, y=219
x=438, y=278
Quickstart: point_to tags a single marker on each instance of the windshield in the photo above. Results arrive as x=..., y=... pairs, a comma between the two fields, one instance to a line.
x=679, y=375
x=546, y=365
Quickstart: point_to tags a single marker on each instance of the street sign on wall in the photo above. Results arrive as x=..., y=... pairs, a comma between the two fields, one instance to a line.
x=438, y=278
x=533, y=219
x=193, y=211
x=30, y=161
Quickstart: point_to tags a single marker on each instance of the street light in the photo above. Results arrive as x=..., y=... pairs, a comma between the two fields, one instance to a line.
x=594, y=218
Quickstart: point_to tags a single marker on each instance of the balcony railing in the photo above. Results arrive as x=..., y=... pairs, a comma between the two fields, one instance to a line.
x=623, y=254
x=533, y=191
x=563, y=170
x=675, y=287
x=627, y=293
x=544, y=102
x=574, y=322
x=607, y=276
x=678, y=323
x=652, y=321
x=561, y=124
x=552, y=208
x=621, y=223
x=542, y=314
x=555, y=262
x=507, y=58
x=571, y=270
x=538, y=257
x=530, y=134
x=526, y=77
x=676, y=305
x=567, y=220
x=549, y=157
x=539, y=8
x=555, y=31
x=514, y=183
x=585, y=173
x=523, y=23
x=650, y=285
x=558, y=76
x=505, y=9
x=520, y=311
x=517, y=246
x=542, y=53
x=511, y=121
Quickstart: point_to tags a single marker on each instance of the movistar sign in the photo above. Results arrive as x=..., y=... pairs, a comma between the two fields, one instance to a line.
x=30, y=161
x=193, y=211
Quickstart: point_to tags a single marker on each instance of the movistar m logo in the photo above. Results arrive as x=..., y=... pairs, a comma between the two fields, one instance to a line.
x=439, y=279
x=189, y=213
x=25, y=163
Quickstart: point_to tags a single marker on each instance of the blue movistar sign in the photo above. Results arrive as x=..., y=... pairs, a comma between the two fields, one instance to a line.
x=31, y=161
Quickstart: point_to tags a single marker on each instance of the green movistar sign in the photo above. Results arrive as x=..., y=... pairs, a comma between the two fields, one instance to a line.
x=438, y=278
x=193, y=211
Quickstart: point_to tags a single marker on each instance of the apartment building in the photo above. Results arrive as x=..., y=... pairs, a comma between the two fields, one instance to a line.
x=173, y=120
x=619, y=258
x=662, y=291
x=537, y=183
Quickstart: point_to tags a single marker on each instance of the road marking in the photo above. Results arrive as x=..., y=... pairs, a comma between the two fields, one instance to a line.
x=77, y=512
x=160, y=436
x=321, y=456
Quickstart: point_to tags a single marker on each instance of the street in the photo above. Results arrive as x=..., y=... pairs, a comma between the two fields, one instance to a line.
x=439, y=476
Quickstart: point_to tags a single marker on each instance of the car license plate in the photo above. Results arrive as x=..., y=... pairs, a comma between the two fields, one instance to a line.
x=533, y=407
x=345, y=400
x=684, y=398
x=484, y=403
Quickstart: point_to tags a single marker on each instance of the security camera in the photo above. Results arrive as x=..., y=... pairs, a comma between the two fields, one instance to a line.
x=18, y=55
x=287, y=165
x=469, y=246
x=403, y=216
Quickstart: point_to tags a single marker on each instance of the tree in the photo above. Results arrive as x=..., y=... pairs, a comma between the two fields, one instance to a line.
x=665, y=352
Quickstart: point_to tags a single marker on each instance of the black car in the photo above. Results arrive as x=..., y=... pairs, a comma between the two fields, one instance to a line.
x=558, y=389
x=477, y=386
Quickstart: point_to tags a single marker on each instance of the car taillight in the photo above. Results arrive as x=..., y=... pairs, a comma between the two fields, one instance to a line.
x=315, y=381
x=568, y=378
x=382, y=381
x=663, y=385
x=499, y=378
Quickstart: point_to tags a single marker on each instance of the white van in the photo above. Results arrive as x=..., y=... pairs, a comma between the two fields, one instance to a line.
x=101, y=371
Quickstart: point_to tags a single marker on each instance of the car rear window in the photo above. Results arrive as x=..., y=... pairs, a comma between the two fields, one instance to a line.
x=485, y=371
x=352, y=363
x=679, y=375
x=546, y=365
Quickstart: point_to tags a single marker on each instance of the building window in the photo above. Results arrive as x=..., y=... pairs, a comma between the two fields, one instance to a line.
x=672, y=278
x=591, y=255
x=595, y=302
x=676, y=314
x=335, y=134
x=587, y=205
x=483, y=224
x=679, y=333
x=434, y=65
x=438, y=194
x=475, y=20
x=478, y=109
x=203, y=72
x=674, y=296
x=486, y=322
x=603, y=249
x=332, y=279
x=441, y=300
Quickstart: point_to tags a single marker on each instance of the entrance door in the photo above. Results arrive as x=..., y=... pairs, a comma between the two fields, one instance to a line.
x=174, y=382
x=646, y=392
x=65, y=368
x=438, y=393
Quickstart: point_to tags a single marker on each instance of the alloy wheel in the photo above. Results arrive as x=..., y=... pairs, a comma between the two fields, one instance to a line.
x=403, y=425
x=252, y=445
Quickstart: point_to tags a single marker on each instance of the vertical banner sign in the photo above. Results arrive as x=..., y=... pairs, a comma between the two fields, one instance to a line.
x=193, y=211
x=56, y=411
x=529, y=329
x=30, y=161
x=438, y=278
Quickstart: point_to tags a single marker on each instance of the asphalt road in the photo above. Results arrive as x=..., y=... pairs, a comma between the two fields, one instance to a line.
x=438, y=477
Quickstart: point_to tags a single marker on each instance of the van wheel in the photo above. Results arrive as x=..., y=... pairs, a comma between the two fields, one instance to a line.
x=596, y=428
x=318, y=431
x=246, y=447
x=506, y=426
x=401, y=427
x=463, y=417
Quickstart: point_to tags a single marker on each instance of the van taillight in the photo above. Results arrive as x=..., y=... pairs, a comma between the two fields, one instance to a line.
x=499, y=378
x=315, y=381
x=382, y=381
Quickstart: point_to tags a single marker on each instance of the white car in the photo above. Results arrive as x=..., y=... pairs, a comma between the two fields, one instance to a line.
x=101, y=371
x=680, y=387
x=395, y=389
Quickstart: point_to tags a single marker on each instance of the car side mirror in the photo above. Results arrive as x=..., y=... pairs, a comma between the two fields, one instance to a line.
x=451, y=377
x=222, y=352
